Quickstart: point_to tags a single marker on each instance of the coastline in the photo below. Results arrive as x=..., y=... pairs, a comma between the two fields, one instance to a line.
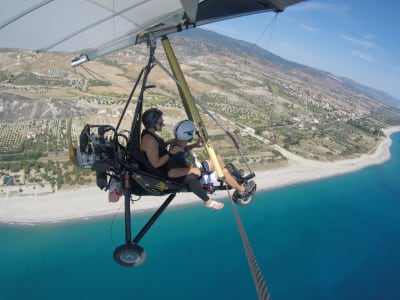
x=91, y=202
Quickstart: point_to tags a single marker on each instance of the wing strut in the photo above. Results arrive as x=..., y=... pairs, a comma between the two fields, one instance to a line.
x=189, y=104
x=198, y=102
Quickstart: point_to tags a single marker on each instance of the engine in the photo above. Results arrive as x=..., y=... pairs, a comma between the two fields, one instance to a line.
x=99, y=151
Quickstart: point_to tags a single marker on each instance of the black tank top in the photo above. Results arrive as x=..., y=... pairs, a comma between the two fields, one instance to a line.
x=162, y=147
x=162, y=150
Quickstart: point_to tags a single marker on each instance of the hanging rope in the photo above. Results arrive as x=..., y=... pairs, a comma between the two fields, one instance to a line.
x=261, y=286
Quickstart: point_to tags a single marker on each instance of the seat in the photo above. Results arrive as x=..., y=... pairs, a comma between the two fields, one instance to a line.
x=150, y=180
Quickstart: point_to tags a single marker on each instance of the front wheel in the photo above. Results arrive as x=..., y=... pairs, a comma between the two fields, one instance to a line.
x=243, y=201
x=129, y=255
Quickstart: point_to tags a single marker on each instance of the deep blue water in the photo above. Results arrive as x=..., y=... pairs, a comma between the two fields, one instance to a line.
x=331, y=239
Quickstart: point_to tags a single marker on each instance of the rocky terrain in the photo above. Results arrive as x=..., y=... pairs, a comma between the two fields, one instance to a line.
x=309, y=112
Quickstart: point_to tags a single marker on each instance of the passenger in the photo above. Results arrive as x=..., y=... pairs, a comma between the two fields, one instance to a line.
x=183, y=167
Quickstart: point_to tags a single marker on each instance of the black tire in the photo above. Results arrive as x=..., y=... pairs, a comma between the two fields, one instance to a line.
x=130, y=255
x=243, y=201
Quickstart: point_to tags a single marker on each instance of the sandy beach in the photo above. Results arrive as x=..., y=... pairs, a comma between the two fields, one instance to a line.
x=91, y=202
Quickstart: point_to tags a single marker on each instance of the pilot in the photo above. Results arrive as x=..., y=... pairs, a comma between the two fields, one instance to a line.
x=153, y=146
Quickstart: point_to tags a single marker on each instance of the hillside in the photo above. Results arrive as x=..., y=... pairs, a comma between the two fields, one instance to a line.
x=309, y=112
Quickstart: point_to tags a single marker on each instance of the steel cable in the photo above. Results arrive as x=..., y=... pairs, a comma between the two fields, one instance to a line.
x=261, y=286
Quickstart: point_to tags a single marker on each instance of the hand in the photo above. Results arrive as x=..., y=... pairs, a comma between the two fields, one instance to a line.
x=170, y=141
x=198, y=143
x=175, y=150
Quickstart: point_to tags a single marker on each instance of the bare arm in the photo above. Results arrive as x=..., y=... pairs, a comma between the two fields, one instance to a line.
x=198, y=143
x=150, y=146
x=170, y=141
x=180, y=172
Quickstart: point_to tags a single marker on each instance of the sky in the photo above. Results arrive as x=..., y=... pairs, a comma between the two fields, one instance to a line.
x=356, y=39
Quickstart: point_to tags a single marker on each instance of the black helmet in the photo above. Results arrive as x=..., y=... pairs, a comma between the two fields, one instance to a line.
x=150, y=117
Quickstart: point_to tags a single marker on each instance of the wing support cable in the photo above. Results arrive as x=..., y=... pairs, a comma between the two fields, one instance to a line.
x=227, y=132
x=272, y=23
x=258, y=279
x=200, y=104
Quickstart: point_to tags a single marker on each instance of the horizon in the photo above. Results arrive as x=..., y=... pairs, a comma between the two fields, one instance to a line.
x=345, y=38
x=291, y=61
x=294, y=62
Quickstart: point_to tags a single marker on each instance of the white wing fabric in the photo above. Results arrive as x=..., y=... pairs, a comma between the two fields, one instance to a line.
x=99, y=27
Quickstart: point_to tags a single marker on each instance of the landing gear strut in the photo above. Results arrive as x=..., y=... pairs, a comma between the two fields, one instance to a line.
x=131, y=254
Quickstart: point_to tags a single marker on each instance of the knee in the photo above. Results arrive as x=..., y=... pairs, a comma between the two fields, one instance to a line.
x=226, y=172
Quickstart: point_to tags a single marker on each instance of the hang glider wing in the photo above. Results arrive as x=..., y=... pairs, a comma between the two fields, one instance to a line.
x=99, y=27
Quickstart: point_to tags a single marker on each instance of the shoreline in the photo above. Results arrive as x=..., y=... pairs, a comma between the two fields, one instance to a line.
x=91, y=202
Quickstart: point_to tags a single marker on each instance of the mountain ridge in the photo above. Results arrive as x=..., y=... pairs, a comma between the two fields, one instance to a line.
x=225, y=41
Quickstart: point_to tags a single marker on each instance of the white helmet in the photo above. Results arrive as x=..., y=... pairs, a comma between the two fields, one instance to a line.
x=184, y=130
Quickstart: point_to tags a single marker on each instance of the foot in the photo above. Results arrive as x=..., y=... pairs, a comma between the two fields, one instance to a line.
x=213, y=204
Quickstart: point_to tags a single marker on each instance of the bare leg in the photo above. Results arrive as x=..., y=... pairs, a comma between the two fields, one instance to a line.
x=232, y=181
x=228, y=177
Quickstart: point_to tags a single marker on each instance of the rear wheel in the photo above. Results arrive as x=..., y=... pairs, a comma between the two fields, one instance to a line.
x=130, y=255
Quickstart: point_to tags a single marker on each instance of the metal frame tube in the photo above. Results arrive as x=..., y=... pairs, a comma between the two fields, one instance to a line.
x=190, y=105
x=152, y=220
x=128, y=227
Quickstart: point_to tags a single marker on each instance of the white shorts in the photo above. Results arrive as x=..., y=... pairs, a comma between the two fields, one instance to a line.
x=209, y=178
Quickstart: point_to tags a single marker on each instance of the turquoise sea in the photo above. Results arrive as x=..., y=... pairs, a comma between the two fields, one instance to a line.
x=330, y=239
